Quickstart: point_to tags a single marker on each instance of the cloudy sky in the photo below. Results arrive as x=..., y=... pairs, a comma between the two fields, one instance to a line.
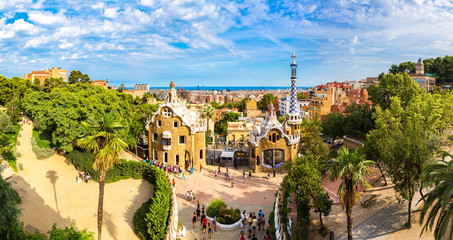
x=221, y=42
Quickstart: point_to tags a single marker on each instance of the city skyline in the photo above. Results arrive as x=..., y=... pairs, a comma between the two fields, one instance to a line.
x=220, y=43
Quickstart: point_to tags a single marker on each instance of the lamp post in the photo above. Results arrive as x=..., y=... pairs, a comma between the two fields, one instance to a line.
x=215, y=136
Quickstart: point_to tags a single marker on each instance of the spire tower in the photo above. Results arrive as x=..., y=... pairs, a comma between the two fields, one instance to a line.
x=294, y=115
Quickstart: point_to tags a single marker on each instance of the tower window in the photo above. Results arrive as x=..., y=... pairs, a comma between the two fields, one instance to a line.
x=159, y=123
x=201, y=154
x=175, y=124
x=155, y=137
x=182, y=139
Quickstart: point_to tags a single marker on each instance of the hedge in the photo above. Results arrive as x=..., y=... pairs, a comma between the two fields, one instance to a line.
x=41, y=153
x=151, y=219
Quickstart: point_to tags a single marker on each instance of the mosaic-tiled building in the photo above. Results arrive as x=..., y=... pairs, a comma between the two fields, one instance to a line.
x=272, y=144
x=177, y=134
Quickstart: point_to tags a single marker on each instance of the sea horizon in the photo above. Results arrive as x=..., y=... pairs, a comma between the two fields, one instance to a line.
x=230, y=88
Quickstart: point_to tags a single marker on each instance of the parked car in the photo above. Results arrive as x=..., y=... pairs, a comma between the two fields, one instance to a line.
x=228, y=149
x=328, y=141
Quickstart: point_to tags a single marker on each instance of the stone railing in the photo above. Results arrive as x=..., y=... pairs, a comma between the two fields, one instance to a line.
x=172, y=231
x=282, y=229
x=226, y=227
x=351, y=143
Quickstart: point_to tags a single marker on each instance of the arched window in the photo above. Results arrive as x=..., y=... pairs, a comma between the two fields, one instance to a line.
x=273, y=137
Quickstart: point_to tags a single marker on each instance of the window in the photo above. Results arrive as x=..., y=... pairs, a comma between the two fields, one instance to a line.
x=155, y=156
x=165, y=157
x=273, y=137
x=182, y=139
x=155, y=137
x=159, y=123
x=270, y=138
x=166, y=141
x=201, y=153
x=273, y=158
x=175, y=124
x=177, y=159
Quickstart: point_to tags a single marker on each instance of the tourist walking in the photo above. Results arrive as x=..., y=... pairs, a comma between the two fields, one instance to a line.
x=183, y=176
x=173, y=182
x=194, y=220
x=263, y=222
x=205, y=223
x=209, y=230
x=201, y=167
x=214, y=223
x=188, y=196
x=232, y=183
x=215, y=174
x=198, y=212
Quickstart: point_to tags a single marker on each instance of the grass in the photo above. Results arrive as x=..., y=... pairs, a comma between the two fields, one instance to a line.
x=10, y=156
x=42, y=139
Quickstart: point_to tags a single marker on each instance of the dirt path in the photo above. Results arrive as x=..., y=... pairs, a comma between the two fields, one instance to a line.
x=50, y=194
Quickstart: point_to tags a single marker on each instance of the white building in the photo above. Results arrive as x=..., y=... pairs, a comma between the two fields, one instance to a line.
x=142, y=87
x=285, y=103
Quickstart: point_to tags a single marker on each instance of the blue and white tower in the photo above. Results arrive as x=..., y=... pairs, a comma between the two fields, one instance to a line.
x=293, y=117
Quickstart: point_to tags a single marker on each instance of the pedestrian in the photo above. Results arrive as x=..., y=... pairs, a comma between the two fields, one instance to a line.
x=173, y=182
x=202, y=218
x=254, y=237
x=259, y=223
x=201, y=167
x=183, y=176
x=194, y=220
x=232, y=183
x=198, y=204
x=198, y=212
x=227, y=169
x=254, y=224
x=245, y=178
x=263, y=222
x=242, y=236
x=260, y=213
x=191, y=195
x=250, y=230
x=214, y=223
x=202, y=209
x=215, y=174
x=209, y=230
x=205, y=223
x=249, y=220
x=219, y=169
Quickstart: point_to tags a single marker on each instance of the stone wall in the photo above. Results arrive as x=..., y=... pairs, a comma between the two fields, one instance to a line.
x=172, y=231
x=351, y=143
x=281, y=228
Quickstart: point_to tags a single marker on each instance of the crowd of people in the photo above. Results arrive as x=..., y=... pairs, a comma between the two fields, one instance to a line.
x=83, y=176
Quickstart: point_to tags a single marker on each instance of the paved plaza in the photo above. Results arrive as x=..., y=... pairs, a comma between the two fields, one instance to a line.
x=258, y=193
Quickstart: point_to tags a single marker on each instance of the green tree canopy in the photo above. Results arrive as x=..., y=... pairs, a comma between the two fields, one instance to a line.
x=77, y=76
x=264, y=102
x=6, y=125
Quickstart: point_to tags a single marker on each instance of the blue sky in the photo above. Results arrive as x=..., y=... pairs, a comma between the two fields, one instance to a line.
x=220, y=42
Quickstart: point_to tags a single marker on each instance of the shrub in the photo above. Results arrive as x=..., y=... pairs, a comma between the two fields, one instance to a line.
x=42, y=139
x=6, y=125
x=140, y=227
x=151, y=219
x=225, y=215
x=69, y=233
x=41, y=153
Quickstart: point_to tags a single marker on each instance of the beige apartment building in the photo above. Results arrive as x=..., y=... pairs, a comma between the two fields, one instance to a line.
x=321, y=102
x=176, y=134
x=47, y=74
x=424, y=80
x=102, y=83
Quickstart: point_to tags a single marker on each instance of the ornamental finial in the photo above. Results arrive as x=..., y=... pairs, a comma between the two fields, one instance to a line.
x=294, y=57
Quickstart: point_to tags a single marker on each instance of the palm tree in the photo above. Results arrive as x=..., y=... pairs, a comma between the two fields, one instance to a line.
x=208, y=112
x=439, y=201
x=351, y=168
x=383, y=97
x=104, y=140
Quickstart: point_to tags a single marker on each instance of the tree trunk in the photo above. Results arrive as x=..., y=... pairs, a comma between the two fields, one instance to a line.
x=101, y=201
x=409, y=223
x=382, y=173
x=421, y=193
x=320, y=219
x=350, y=221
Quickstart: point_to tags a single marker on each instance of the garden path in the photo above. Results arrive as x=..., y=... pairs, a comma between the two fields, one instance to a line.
x=50, y=195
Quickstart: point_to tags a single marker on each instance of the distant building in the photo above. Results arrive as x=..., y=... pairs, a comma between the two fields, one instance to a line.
x=135, y=92
x=102, y=83
x=284, y=106
x=176, y=134
x=321, y=102
x=424, y=80
x=47, y=74
x=141, y=87
x=370, y=81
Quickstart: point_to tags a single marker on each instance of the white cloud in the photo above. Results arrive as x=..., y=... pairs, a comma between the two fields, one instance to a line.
x=13, y=3
x=98, y=5
x=147, y=3
x=111, y=12
x=47, y=18
x=354, y=40
x=10, y=30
